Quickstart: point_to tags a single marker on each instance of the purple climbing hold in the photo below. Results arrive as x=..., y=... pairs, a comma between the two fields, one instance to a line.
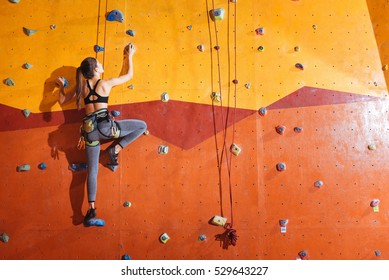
x=115, y=15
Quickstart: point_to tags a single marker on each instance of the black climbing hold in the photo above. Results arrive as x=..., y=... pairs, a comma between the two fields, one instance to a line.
x=115, y=15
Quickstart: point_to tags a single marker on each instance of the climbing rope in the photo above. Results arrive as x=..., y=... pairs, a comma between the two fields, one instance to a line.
x=230, y=232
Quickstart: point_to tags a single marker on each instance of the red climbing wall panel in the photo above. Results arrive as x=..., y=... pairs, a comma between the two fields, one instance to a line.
x=339, y=100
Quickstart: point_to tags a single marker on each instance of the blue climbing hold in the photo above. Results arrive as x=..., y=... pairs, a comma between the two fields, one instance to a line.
x=26, y=112
x=78, y=166
x=115, y=15
x=126, y=257
x=130, y=32
x=27, y=65
x=94, y=222
x=9, y=82
x=115, y=113
x=42, y=166
x=98, y=48
x=66, y=82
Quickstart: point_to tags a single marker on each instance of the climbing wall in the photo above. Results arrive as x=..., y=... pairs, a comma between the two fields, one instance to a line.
x=299, y=87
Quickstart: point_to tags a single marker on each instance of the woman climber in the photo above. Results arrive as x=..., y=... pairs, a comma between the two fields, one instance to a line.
x=98, y=123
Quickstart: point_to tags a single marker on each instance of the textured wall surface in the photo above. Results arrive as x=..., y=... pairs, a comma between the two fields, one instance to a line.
x=339, y=100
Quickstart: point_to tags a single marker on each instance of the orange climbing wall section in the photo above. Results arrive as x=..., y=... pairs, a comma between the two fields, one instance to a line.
x=339, y=100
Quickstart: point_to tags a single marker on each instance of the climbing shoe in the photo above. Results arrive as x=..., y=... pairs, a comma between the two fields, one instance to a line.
x=113, y=165
x=90, y=214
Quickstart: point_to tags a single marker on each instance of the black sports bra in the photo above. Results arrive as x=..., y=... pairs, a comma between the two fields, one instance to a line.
x=99, y=99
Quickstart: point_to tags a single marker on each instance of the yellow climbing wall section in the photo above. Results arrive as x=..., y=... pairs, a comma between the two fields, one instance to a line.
x=168, y=59
x=342, y=48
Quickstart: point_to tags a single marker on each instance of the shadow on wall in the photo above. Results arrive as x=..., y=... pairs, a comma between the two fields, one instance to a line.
x=65, y=138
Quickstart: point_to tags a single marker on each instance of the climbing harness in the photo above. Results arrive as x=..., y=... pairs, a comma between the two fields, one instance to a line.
x=91, y=123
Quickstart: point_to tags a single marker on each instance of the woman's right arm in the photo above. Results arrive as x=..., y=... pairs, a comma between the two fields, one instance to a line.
x=128, y=53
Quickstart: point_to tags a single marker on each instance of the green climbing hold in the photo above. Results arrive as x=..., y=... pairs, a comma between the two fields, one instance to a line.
x=23, y=167
x=4, y=237
x=27, y=65
x=9, y=82
x=26, y=113
x=29, y=32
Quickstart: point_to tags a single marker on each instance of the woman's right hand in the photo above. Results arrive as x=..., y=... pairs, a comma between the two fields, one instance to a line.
x=130, y=49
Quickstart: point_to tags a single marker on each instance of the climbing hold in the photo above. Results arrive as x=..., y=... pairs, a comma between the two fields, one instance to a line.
x=262, y=111
x=280, y=129
x=65, y=82
x=26, y=113
x=42, y=166
x=127, y=204
x=303, y=254
x=217, y=14
x=235, y=150
x=9, y=82
x=299, y=66
x=215, y=96
x=131, y=86
x=314, y=26
x=318, y=184
x=23, y=167
x=98, y=48
x=165, y=97
x=281, y=166
x=202, y=237
x=27, y=65
x=14, y=1
x=164, y=238
x=283, y=224
x=372, y=147
x=163, y=150
x=115, y=15
x=375, y=202
x=130, y=32
x=189, y=27
x=29, y=32
x=296, y=48
x=248, y=85
x=261, y=48
x=94, y=222
x=126, y=257
x=115, y=113
x=298, y=129
x=201, y=48
x=219, y=221
x=4, y=237
x=260, y=31
x=146, y=132
x=216, y=48
x=53, y=27
x=385, y=67
x=113, y=166
x=78, y=166
x=377, y=253
x=235, y=81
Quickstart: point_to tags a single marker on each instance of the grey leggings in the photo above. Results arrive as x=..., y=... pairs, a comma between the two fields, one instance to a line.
x=129, y=131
